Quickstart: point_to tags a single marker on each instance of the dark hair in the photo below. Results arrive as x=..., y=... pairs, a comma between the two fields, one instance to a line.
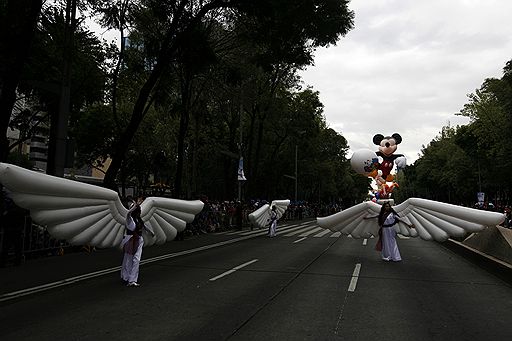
x=382, y=218
x=137, y=219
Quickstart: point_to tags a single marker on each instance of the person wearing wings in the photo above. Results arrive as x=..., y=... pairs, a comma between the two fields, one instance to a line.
x=415, y=217
x=386, y=244
x=84, y=214
x=273, y=222
x=269, y=214
x=132, y=244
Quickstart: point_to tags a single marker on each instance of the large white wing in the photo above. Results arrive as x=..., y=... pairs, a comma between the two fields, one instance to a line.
x=350, y=221
x=261, y=217
x=166, y=217
x=432, y=220
x=86, y=214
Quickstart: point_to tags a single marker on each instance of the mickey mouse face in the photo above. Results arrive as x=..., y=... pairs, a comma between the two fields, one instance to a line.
x=387, y=145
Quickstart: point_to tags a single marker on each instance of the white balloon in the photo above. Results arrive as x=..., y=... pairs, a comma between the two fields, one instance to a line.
x=364, y=161
x=401, y=162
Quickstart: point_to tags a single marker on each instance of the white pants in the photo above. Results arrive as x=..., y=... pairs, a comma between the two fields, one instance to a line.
x=130, y=266
x=389, y=246
x=272, y=229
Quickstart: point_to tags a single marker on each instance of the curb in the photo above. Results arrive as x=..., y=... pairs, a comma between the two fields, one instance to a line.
x=489, y=263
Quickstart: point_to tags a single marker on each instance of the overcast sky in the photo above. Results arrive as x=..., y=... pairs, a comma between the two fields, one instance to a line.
x=407, y=67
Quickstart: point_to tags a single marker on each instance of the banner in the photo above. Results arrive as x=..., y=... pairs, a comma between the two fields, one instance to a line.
x=241, y=176
x=480, y=196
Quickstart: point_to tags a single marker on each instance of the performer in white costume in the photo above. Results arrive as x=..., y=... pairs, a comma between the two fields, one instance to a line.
x=84, y=214
x=273, y=222
x=387, y=218
x=132, y=244
x=262, y=216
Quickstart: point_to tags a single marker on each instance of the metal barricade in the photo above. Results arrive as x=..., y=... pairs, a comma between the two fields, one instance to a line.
x=38, y=242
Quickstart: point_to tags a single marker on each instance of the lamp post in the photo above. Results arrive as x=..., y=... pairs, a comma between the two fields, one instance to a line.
x=295, y=177
x=296, y=153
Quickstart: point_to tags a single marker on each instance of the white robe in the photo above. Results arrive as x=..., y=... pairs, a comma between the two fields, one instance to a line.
x=273, y=224
x=389, y=246
x=130, y=265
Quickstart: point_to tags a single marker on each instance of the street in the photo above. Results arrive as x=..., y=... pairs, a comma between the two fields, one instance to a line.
x=304, y=284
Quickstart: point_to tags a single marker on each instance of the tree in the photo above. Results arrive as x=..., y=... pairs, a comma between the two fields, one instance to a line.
x=180, y=18
x=18, y=20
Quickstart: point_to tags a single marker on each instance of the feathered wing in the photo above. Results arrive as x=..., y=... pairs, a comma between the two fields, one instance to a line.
x=261, y=217
x=166, y=217
x=86, y=214
x=281, y=207
x=351, y=221
x=432, y=220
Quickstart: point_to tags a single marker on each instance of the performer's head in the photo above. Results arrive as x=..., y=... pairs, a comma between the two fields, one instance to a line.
x=136, y=212
x=386, y=207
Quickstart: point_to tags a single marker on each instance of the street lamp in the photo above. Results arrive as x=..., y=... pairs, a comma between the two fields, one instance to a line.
x=296, y=177
x=296, y=152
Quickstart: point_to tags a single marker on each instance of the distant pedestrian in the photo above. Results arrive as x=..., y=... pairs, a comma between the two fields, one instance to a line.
x=132, y=244
x=13, y=220
x=239, y=211
x=273, y=222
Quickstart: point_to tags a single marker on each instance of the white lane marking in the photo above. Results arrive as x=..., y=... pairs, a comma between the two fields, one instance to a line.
x=72, y=280
x=265, y=230
x=299, y=240
x=299, y=231
x=355, y=276
x=365, y=241
x=305, y=234
x=323, y=233
x=336, y=234
x=233, y=270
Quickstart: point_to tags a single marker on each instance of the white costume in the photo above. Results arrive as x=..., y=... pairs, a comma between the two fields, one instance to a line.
x=389, y=246
x=132, y=256
x=261, y=217
x=273, y=223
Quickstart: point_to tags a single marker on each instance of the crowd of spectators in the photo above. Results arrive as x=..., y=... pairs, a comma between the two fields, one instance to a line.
x=226, y=215
x=499, y=207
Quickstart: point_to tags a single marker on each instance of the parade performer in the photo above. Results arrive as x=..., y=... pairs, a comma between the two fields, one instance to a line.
x=273, y=222
x=132, y=244
x=262, y=216
x=386, y=243
x=84, y=214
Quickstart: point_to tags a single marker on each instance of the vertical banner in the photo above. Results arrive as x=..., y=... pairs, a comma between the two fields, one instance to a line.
x=241, y=176
x=481, y=198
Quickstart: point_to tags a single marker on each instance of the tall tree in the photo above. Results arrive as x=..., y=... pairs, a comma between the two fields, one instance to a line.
x=18, y=20
x=302, y=23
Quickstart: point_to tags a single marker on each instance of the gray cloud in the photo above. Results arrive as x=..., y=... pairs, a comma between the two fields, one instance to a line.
x=408, y=66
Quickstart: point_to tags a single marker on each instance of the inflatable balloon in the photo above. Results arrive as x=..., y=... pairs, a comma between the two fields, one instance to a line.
x=365, y=162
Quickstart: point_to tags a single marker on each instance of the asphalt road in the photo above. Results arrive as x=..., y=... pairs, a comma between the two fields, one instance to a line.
x=304, y=284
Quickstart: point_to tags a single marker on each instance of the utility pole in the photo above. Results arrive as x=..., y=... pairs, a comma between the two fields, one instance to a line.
x=296, y=175
x=57, y=148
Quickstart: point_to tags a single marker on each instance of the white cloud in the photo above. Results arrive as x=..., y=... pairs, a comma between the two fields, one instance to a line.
x=407, y=67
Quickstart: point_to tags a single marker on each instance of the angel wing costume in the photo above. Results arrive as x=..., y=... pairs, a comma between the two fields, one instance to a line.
x=432, y=220
x=261, y=217
x=86, y=214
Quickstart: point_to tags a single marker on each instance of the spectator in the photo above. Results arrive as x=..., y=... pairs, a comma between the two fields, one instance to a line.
x=12, y=226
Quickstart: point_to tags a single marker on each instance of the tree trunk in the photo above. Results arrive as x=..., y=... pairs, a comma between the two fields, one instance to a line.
x=184, y=121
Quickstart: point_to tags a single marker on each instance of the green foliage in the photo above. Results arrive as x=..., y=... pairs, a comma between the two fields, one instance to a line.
x=468, y=159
